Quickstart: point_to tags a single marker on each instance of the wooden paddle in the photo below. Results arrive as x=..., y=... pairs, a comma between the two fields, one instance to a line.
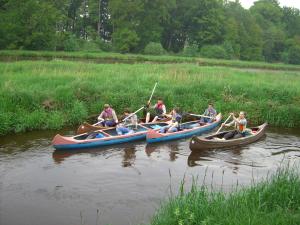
x=200, y=115
x=224, y=124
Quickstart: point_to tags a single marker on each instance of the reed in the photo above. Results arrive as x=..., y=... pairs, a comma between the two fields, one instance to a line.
x=38, y=95
x=274, y=200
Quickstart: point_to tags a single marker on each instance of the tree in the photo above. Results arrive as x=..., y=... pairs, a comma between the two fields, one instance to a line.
x=28, y=24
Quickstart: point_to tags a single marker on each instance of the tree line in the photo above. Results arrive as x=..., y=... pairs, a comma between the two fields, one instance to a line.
x=208, y=28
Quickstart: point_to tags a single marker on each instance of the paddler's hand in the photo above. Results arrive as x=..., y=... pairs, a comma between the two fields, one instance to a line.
x=148, y=104
x=231, y=114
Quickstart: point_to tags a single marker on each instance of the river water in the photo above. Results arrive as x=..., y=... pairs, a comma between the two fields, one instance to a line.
x=125, y=184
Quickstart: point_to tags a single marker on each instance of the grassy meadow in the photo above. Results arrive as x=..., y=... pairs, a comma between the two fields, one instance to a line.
x=37, y=95
x=109, y=57
x=273, y=201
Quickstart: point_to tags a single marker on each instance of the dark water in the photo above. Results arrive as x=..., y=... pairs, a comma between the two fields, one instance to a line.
x=125, y=184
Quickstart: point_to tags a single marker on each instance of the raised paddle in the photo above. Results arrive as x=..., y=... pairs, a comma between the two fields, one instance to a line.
x=224, y=124
x=143, y=106
x=152, y=92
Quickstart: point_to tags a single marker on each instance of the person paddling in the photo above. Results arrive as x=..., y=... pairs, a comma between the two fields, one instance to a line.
x=209, y=112
x=123, y=128
x=108, y=117
x=239, y=123
x=160, y=111
x=174, y=125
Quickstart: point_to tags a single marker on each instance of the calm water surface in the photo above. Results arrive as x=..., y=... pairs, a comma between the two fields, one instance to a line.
x=123, y=184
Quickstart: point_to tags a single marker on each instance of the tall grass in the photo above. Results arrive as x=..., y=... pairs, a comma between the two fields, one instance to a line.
x=273, y=201
x=104, y=57
x=75, y=90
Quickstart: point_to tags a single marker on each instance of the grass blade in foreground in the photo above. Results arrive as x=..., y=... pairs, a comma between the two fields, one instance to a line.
x=273, y=201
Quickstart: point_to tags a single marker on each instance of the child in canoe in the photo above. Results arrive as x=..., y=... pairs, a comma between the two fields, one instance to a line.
x=174, y=125
x=108, y=117
x=160, y=111
x=123, y=128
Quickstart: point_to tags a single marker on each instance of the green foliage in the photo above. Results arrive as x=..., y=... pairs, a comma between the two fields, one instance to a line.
x=78, y=89
x=191, y=50
x=90, y=46
x=213, y=51
x=154, y=49
x=71, y=44
x=294, y=55
x=125, y=40
x=275, y=200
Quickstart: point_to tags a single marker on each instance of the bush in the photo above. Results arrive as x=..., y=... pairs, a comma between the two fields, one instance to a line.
x=191, y=50
x=229, y=50
x=213, y=51
x=154, y=49
x=294, y=55
x=71, y=44
x=125, y=40
x=90, y=46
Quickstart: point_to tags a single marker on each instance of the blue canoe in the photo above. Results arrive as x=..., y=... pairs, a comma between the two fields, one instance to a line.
x=109, y=137
x=187, y=130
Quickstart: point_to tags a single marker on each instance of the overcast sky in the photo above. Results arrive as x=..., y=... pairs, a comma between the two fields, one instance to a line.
x=291, y=3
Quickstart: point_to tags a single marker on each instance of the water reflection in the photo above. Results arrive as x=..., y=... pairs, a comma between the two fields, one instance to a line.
x=128, y=157
x=173, y=148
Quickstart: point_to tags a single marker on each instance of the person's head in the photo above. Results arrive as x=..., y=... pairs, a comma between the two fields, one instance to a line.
x=160, y=101
x=175, y=110
x=127, y=112
x=210, y=105
x=106, y=106
x=242, y=115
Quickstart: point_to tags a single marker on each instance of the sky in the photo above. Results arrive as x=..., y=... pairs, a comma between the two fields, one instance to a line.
x=291, y=3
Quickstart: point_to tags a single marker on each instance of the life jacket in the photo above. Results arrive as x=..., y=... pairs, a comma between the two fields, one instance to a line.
x=176, y=118
x=159, y=109
x=108, y=114
x=210, y=112
x=240, y=127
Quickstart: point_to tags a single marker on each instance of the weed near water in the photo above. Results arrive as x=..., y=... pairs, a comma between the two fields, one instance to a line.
x=48, y=95
x=273, y=201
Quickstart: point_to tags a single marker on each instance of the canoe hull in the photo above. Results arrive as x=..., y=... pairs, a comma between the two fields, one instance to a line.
x=96, y=143
x=155, y=136
x=111, y=137
x=200, y=143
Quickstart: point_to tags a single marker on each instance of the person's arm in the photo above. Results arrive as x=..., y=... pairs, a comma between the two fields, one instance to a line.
x=229, y=124
x=174, y=125
x=215, y=113
x=164, y=110
x=205, y=112
x=115, y=116
x=100, y=117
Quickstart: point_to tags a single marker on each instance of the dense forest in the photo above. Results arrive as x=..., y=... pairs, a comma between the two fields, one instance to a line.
x=207, y=28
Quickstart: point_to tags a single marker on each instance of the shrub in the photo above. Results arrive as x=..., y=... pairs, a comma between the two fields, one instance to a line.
x=71, y=44
x=213, y=51
x=90, y=46
x=191, y=50
x=294, y=55
x=125, y=40
x=154, y=49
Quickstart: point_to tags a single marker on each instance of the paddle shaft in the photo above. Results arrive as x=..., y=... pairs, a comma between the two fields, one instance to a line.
x=200, y=115
x=152, y=92
x=224, y=124
x=132, y=114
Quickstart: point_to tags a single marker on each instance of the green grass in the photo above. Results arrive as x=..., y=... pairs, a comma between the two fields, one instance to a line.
x=274, y=201
x=132, y=58
x=79, y=89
